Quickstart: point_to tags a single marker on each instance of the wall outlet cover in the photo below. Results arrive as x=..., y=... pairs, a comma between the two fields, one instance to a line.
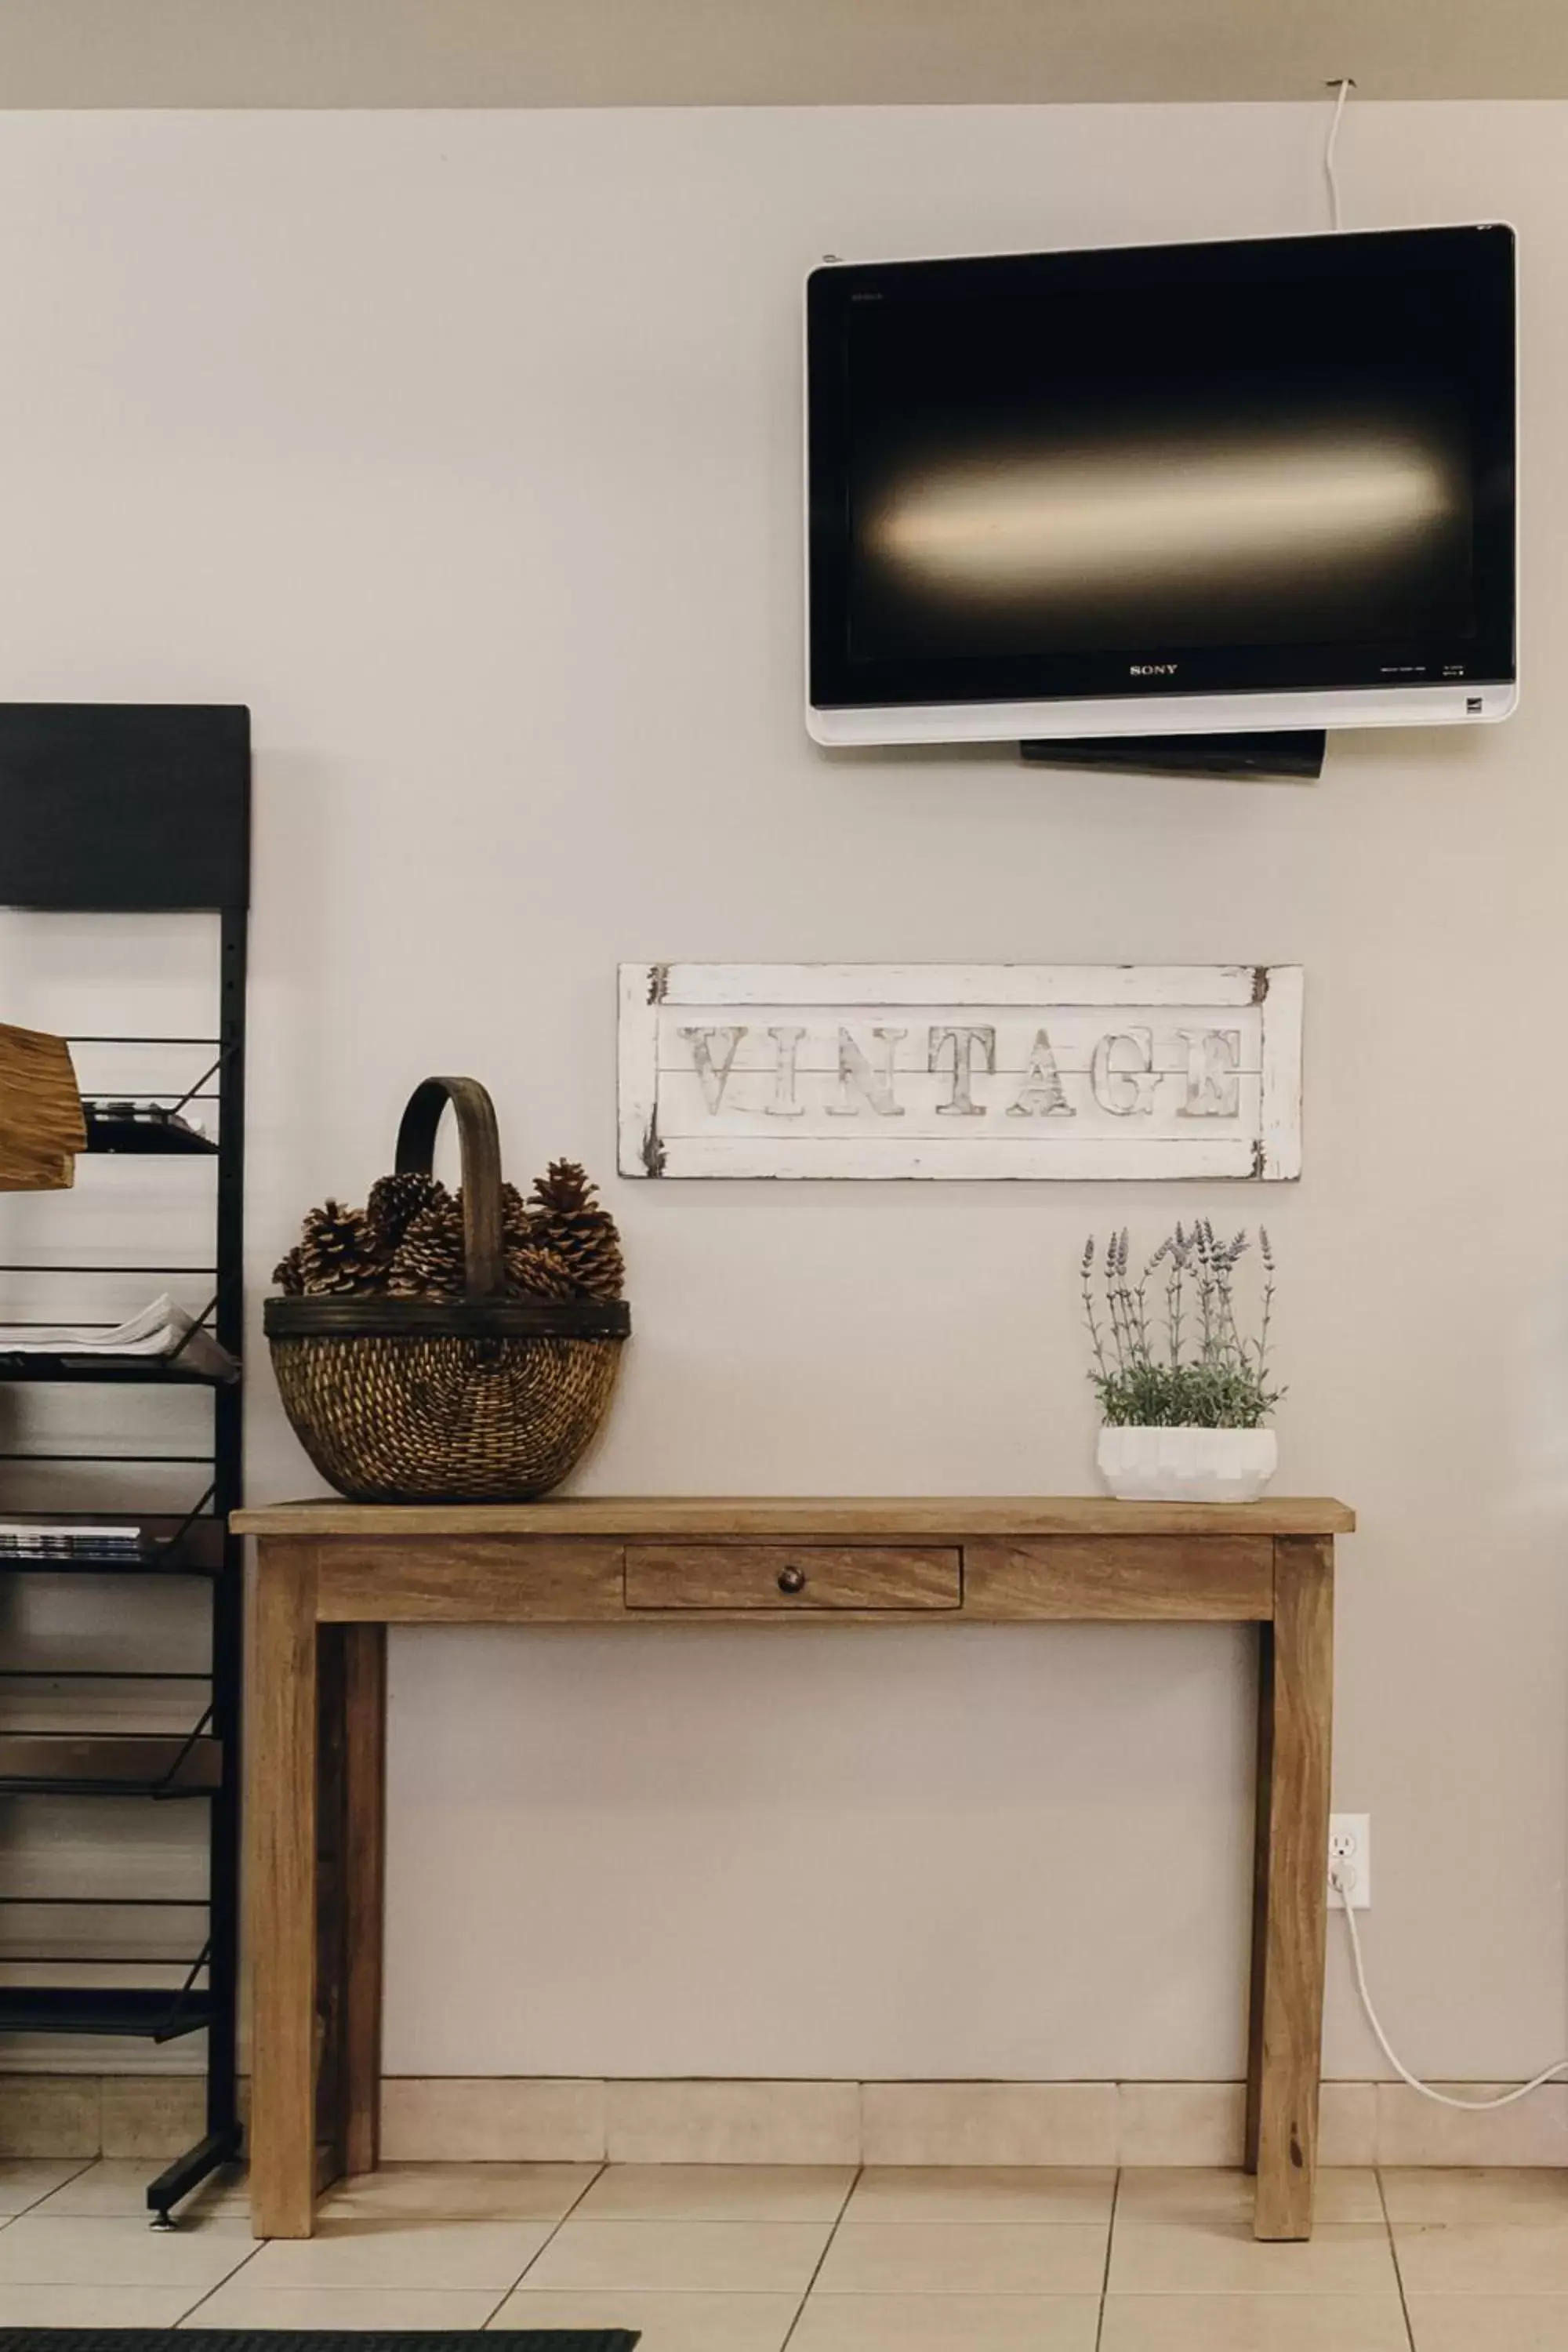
x=1349, y=1851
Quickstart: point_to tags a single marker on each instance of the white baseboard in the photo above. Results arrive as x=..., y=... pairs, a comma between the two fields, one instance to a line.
x=444, y=2118
x=152, y=2116
x=501, y=2118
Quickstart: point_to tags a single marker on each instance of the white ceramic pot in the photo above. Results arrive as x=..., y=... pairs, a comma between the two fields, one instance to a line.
x=1187, y=1465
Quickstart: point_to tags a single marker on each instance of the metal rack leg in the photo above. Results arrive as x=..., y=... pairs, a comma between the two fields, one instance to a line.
x=222, y=2141
x=188, y=2171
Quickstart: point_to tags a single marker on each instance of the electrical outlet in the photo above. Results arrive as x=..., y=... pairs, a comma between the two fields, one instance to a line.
x=1350, y=1853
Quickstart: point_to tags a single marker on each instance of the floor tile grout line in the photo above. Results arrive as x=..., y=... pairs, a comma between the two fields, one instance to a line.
x=1394, y=2255
x=499, y=2304
x=856, y=2174
x=602, y=2165
x=82, y=2163
x=854, y=2177
x=86, y=2164
x=207, y=2293
x=206, y=2296
x=1105, y=2276
x=505, y=2292
x=816, y=2274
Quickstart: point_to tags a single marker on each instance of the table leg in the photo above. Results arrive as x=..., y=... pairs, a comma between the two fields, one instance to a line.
x=364, y=1850
x=1262, y=1831
x=282, y=1815
x=1296, y=1707
x=351, y=1702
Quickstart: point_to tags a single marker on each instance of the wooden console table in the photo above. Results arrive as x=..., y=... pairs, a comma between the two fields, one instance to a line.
x=334, y=1576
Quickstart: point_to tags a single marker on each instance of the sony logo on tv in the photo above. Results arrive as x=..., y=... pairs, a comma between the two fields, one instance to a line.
x=1150, y=670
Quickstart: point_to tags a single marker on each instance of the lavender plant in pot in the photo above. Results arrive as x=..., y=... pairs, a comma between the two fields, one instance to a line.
x=1184, y=1393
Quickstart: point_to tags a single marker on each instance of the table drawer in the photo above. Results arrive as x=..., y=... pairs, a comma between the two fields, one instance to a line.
x=798, y=1578
x=1138, y=1578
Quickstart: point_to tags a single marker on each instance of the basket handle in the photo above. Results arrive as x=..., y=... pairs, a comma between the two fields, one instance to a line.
x=484, y=1260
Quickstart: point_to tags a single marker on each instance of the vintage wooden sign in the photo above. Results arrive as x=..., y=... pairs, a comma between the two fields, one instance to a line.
x=946, y=1070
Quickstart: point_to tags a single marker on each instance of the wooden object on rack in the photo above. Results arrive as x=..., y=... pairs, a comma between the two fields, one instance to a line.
x=42, y=1126
x=334, y=1576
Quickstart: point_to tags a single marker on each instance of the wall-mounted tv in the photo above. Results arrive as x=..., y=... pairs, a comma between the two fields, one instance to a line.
x=1163, y=490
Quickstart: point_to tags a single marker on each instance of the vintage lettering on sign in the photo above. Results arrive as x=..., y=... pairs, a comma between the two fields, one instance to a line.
x=946, y=1070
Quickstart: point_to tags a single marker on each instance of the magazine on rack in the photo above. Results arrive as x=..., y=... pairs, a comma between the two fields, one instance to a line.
x=67, y=1538
x=160, y=1329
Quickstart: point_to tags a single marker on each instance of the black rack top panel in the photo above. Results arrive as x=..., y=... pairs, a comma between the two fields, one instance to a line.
x=125, y=807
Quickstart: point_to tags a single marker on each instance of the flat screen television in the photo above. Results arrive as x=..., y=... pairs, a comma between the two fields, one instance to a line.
x=1163, y=490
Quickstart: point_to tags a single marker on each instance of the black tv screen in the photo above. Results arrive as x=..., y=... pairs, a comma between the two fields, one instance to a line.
x=1273, y=466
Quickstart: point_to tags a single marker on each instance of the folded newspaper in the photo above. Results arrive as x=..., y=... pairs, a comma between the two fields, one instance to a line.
x=161, y=1330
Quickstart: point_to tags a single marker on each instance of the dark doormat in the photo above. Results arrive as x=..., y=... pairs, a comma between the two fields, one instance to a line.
x=311, y=2339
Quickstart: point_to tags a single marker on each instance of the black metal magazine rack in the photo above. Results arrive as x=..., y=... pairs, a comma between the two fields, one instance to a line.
x=144, y=810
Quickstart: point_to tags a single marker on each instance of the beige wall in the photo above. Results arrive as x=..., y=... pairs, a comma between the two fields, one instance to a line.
x=107, y=53
x=466, y=450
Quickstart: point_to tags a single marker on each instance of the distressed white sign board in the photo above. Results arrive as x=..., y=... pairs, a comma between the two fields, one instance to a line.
x=960, y=1070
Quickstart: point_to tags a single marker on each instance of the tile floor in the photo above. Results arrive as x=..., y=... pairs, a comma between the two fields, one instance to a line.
x=719, y=2258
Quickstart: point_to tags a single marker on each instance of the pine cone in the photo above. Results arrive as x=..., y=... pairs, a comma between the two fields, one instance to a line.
x=428, y=1263
x=516, y=1219
x=569, y=1224
x=394, y=1203
x=337, y=1253
x=288, y=1273
x=538, y=1274
x=564, y=1188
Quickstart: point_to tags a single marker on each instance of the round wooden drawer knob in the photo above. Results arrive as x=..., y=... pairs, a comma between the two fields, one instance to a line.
x=792, y=1580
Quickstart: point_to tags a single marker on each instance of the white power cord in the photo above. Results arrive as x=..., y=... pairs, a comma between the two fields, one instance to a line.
x=1345, y=85
x=1342, y=1881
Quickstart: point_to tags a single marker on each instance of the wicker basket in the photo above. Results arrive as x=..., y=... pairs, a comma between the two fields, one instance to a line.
x=488, y=1399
